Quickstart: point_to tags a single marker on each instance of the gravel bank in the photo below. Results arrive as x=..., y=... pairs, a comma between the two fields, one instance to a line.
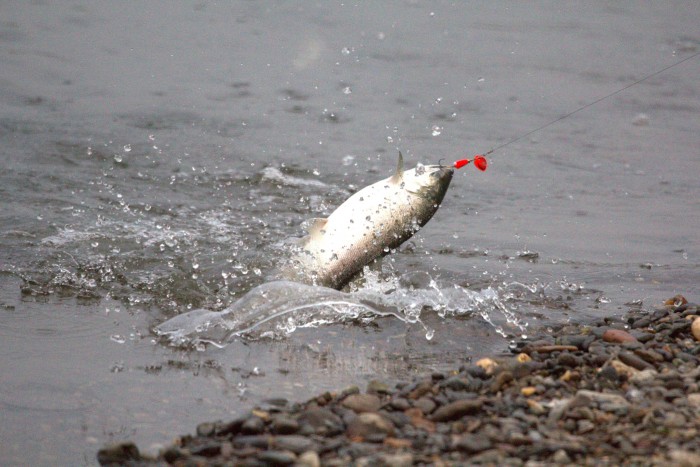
x=619, y=391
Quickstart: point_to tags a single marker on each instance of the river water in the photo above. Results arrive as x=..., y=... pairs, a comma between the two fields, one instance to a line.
x=156, y=156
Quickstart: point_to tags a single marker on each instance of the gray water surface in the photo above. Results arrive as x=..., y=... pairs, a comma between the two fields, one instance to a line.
x=157, y=155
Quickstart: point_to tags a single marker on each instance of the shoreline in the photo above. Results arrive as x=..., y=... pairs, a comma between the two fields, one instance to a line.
x=618, y=391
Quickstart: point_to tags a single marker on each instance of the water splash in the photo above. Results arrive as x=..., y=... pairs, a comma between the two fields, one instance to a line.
x=277, y=309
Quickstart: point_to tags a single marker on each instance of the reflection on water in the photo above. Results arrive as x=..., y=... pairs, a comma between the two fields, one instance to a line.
x=155, y=160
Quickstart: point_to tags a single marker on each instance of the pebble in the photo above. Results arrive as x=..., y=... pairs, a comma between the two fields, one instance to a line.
x=644, y=377
x=618, y=336
x=396, y=460
x=425, y=405
x=278, y=457
x=472, y=443
x=118, y=453
x=359, y=403
x=309, y=459
x=695, y=328
x=367, y=424
x=294, y=443
x=378, y=388
x=456, y=410
x=488, y=365
x=634, y=361
x=323, y=421
x=605, y=401
x=284, y=425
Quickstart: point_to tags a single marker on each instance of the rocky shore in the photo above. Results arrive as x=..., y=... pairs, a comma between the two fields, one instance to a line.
x=623, y=391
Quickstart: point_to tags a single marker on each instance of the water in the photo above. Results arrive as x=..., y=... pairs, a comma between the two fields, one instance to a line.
x=157, y=157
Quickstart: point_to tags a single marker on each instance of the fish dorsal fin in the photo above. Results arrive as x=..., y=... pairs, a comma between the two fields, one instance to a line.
x=398, y=176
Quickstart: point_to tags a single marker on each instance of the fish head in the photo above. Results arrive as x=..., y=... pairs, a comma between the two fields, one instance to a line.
x=429, y=182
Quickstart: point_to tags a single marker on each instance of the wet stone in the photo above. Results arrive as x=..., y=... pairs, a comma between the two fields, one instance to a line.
x=399, y=404
x=472, y=443
x=461, y=383
x=425, y=405
x=396, y=460
x=309, y=459
x=323, y=421
x=367, y=424
x=278, y=457
x=294, y=443
x=284, y=425
x=634, y=361
x=568, y=360
x=206, y=429
x=618, y=336
x=456, y=410
x=118, y=453
x=173, y=453
x=378, y=388
x=348, y=392
x=209, y=449
x=362, y=403
x=253, y=425
x=258, y=441
x=680, y=328
x=641, y=323
x=232, y=427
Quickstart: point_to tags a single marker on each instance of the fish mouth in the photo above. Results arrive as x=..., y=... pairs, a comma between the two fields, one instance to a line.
x=441, y=171
x=440, y=177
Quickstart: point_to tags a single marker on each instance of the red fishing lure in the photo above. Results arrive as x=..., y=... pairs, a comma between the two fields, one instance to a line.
x=479, y=162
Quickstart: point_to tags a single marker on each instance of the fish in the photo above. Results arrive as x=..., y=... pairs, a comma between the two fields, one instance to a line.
x=368, y=225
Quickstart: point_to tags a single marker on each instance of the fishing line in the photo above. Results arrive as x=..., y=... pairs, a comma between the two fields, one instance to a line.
x=479, y=159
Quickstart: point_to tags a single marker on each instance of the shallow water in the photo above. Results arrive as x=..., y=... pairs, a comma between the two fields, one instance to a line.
x=157, y=157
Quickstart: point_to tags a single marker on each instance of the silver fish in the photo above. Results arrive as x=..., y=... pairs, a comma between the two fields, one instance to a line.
x=371, y=223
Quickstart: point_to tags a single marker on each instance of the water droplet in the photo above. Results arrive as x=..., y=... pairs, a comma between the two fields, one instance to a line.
x=480, y=80
x=437, y=130
x=118, y=338
x=438, y=100
x=347, y=90
x=127, y=148
x=316, y=172
x=95, y=244
x=389, y=139
x=151, y=137
x=257, y=271
x=195, y=265
x=162, y=247
x=117, y=158
x=194, y=276
x=347, y=160
x=89, y=151
x=345, y=51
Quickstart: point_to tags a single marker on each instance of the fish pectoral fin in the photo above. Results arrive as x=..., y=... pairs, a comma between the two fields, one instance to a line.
x=316, y=226
x=398, y=176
